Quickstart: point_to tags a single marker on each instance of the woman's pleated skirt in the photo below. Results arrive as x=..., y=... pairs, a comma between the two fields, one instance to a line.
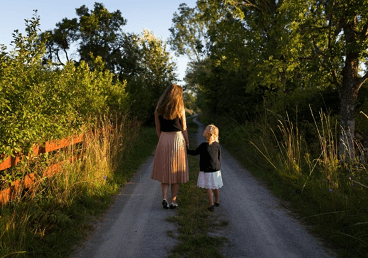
x=170, y=164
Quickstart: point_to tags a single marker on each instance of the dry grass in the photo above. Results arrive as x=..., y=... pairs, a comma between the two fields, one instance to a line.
x=300, y=163
x=48, y=220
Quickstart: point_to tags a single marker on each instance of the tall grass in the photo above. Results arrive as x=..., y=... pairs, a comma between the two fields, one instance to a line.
x=286, y=160
x=56, y=213
x=300, y=163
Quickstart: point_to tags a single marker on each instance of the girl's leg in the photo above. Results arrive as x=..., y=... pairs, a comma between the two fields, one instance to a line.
x=164, y=188
x=174, y=192
x=210, y=196
x=217, y=195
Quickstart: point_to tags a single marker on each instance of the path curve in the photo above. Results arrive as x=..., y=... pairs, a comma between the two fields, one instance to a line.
x=259, y=226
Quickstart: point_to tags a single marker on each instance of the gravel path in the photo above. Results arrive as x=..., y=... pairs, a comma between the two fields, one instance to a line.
x=135, y=226
x=259, y=226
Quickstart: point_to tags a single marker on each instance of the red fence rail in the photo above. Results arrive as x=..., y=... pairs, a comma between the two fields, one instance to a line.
x=12, y=191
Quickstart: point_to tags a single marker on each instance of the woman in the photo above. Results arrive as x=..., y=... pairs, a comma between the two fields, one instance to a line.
x=170, y=165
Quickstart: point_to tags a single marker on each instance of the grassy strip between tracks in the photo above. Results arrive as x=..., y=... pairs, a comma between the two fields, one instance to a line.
x=193, y=219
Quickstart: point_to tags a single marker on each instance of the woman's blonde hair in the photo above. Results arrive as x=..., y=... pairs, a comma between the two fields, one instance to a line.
x=170, y=104
x=211, y=133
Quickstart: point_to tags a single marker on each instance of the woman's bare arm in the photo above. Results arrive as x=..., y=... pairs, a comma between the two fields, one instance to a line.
x=185, y=131
x=186, y=138
x=157, y=124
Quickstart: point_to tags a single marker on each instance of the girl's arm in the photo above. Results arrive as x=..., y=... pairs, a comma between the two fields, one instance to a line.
x=219, y=154
x=196, y=151
x=193, y=152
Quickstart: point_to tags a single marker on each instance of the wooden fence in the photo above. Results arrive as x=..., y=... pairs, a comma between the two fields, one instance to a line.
x=17, y=187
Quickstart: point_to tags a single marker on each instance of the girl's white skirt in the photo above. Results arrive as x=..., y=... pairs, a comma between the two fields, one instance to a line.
x=210, y=180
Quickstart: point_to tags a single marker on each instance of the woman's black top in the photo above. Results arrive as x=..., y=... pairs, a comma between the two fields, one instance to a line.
x=209, y=156
x=173, y=125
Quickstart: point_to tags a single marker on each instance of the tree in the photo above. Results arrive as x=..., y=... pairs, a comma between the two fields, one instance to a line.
x=329, y=40
x=61, y=40
x=334, y=40
x=189, y=100
x=156, y=72
x=142, y=61
x=230, y=50
x=96, y=32
x=286, y=46
x=188, y=33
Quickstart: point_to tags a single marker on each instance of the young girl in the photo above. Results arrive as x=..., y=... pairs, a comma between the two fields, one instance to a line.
x=210, y=164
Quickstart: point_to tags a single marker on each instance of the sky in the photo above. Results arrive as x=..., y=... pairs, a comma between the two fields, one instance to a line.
x=155, y=15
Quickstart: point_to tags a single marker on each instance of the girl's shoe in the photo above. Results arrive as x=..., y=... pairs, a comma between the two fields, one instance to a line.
x=173, y=205
x=165, y=204
x=211, y=208
x=217, y=204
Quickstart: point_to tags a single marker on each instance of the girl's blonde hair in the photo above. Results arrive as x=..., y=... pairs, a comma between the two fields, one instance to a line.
x=211, y=133
x=170, y=104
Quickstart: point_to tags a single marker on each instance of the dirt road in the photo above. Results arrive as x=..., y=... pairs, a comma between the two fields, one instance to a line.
x=259, y=226
x=135, y=225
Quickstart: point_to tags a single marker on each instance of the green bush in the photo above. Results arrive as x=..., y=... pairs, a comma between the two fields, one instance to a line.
x=39, y=102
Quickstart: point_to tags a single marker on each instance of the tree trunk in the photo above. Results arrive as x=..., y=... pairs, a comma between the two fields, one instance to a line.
x=348, y=99
x=348, y=92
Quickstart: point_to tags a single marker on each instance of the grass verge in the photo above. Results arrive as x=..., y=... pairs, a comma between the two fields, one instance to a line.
x=305, y=172
x=57, y=213
x=193, y=219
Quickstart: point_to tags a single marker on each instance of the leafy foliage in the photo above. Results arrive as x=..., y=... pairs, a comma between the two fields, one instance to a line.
x=40, y=102
x=269, y=67
x=96, y=32
x=156, y=72
x=261, y=52
x=142, y=60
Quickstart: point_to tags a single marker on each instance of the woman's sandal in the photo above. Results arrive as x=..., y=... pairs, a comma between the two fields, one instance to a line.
x=165, y=205
x=211, y=208
x=217, y=204
x=173, y=205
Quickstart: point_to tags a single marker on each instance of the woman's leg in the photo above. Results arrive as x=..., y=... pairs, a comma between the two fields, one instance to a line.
x=174, y=192
x=217, y=195
x=210, y=196
x=164, y=188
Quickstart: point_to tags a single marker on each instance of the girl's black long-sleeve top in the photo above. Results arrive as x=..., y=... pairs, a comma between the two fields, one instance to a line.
x=209, y=156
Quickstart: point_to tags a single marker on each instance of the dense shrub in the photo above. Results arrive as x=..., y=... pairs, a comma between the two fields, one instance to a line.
x=39, y=102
